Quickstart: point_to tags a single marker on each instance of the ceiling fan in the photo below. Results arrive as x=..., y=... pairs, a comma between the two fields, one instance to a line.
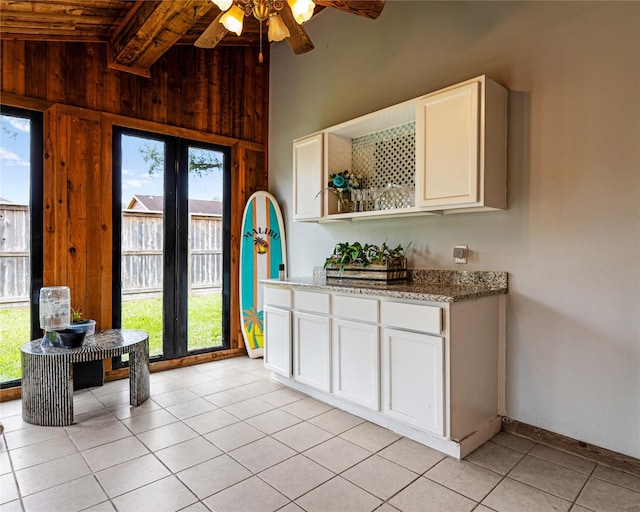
x=284, y=18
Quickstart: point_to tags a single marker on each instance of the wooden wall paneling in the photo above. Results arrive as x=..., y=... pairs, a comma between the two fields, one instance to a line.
x=73, y=217
x=159, y=90
x=186, y=72
x=224, y=94
x=77, y=151
x=222, y=90
x=174, y=92
x=8, y=68
x=144, y=96
x=95, y=77
x=112, y=92
x=18, y=64
x=74, y=65
x=97, y=197
x=55, y=201
x=6, y=48
x=238, y=113
x=105, y=204
x=55, y=72
x=250, y=106
x=261, y=101
x=36, y=63
x=201, y=99
x=128, y=94
x=213, y=93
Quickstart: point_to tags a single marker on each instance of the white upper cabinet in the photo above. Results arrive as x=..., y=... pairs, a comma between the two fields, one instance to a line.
x=447, y=127
x=445, y=152
x=308, y=177
x=461, y=147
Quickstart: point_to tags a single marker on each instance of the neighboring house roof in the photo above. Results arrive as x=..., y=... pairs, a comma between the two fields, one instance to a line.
x=155, y=204
x=11, y=204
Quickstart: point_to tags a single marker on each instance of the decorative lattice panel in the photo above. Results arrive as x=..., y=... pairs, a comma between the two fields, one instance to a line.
x=386, y=158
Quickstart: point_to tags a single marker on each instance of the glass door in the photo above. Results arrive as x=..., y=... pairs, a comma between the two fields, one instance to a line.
x=205, y=258
x=174, y=238
x=142, y=227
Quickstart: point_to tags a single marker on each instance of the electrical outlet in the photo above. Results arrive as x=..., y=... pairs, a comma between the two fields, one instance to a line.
x=460, y=253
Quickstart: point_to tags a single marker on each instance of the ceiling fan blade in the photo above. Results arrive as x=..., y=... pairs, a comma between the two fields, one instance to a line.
x=298, y=39
x=368, y=8
x=212, y=35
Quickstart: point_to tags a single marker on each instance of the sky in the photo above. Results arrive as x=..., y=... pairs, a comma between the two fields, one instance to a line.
x=14, y=159
x=15, y=165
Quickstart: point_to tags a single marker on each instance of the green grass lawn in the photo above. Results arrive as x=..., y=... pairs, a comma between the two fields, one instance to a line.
x=14, y=332
x=204, y=328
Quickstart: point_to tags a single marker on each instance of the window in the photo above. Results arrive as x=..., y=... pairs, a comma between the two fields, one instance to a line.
x=20, y=235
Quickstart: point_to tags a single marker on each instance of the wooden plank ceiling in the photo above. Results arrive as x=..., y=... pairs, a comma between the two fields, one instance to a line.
x=138, y=32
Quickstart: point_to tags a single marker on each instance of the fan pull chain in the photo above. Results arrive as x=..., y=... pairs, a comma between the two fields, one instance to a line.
x=260, y=58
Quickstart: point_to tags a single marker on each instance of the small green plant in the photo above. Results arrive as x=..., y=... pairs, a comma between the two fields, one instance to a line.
x=77, y=316
x=368, y=254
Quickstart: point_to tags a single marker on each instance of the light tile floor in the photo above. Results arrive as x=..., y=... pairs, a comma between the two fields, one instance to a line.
x=223, y=437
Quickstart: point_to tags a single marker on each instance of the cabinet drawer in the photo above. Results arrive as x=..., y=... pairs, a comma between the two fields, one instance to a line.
x=311, y=301
x=355, y=308
x=414, y=317
x=276, y=297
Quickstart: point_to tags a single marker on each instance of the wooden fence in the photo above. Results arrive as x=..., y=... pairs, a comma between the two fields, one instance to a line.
x=15, y=232
x=142, y=258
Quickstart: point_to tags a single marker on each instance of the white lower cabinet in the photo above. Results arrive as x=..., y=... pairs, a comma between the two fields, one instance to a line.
x=356, y=362
x=277, y=347
x=427, y=370
x=312, y=350
x=413, y=378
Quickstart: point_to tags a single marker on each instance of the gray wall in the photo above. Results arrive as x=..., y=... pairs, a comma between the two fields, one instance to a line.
x=571, y=237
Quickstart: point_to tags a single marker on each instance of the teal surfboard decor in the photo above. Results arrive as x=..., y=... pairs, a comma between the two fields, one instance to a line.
x=262, y=250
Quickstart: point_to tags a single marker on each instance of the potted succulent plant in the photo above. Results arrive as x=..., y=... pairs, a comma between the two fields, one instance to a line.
x=366, y=262
x=80, y=323
x=80, y=327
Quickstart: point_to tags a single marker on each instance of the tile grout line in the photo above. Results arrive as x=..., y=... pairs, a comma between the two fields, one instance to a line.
x=106, y=408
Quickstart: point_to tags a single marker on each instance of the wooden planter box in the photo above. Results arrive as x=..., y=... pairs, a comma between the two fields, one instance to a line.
x=394, y=270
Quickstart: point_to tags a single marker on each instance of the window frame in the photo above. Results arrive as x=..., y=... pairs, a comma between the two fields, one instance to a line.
x=36, y=199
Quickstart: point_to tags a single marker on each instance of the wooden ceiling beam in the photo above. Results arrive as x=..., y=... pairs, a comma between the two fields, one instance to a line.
x=150, y=29
x=366, y=8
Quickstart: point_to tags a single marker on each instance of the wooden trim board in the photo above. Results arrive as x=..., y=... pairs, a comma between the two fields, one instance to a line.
x=609, y=458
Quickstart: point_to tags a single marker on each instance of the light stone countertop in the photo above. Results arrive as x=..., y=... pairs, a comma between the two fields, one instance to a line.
x=423, y=284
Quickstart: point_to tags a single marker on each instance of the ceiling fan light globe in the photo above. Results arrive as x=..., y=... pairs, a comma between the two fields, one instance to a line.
x=223, y=5
x=277, y=29
x=302, y=10
x=232, y=19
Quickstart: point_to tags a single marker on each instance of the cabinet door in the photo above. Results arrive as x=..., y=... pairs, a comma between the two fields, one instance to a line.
x=307, y=178
x=413, y=379
x=356, y=362
x=311, y=351
x=277, y=340
x=448, y=147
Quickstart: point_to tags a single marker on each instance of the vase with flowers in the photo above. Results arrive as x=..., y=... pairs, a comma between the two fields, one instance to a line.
x=341, y=184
